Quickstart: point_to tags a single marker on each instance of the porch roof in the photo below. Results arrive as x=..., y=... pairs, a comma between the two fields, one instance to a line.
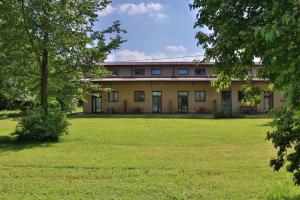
x=158, y=79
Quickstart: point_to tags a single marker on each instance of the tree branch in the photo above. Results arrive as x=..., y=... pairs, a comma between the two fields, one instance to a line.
x=26, y=28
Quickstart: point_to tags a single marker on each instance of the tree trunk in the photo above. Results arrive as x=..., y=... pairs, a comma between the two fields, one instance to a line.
x=44, y=80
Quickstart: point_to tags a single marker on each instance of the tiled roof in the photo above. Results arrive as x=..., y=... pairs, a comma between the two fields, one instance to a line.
x=157, y=63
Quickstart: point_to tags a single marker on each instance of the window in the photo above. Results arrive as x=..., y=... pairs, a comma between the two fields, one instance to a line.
x=241, y=96
x=183, y=93
x=200, y=72
x=113, y=96
x=114, y=72
x=155, y=72
x=156, y=93
x=182, y=72
x=139, y=72
x=283, y=97
x=139, y=96
x=200, y=96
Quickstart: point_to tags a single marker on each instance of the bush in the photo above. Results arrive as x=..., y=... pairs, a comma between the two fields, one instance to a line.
x=37, y=125
x=225, y=112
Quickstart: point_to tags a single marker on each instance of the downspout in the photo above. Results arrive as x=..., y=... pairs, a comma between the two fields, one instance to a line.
x=110, y=104
x=151, y=98
x=193, y=98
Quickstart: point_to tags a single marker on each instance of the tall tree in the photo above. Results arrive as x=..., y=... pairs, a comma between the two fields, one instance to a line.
x=234, y=33
x=47, y=46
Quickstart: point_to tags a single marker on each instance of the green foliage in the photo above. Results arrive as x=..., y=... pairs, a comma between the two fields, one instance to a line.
x=225, y=112
x=234, y=33
x=37, y=125
x=73, y=44
x=286, y=139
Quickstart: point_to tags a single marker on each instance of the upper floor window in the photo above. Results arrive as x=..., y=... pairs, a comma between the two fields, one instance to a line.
x=114, y=72
x=139, y=96
x=113, y=96
x=139, y=72
x=155, y=72
x=200, y=72
x=182, y=72
x=200, y=96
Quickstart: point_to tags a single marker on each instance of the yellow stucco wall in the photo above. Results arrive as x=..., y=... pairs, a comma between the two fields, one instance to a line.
x=166, y=71
x=170, y=96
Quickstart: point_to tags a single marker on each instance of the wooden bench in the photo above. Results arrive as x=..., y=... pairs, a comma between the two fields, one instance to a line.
x=251, y=110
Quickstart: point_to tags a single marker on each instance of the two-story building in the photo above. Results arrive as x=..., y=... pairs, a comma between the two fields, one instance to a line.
x=170, y=87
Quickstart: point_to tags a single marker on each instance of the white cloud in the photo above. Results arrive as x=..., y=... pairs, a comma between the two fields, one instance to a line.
x=128, y=55
x=153, y=10
x=175, y=48
x=131, y=55
x=157, y=16
x=134, y=9
x=106, y=11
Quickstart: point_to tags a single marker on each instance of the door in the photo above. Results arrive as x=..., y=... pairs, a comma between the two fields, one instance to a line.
x=183, y=102
x=226, y=102
x=96, y=104
x=156, y=102
x=268, y=101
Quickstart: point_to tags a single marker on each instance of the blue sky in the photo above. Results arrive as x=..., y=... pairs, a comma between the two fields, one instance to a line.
x=159, y=29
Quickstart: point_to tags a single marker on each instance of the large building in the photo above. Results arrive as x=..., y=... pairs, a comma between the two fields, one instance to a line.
x=170, y=87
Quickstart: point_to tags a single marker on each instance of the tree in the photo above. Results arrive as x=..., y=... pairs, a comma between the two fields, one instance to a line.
x=234, y=33
x=47, y=46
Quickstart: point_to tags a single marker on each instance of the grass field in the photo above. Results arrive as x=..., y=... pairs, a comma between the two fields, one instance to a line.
x=145, y=158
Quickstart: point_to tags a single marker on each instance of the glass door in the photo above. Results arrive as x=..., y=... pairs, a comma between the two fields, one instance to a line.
x=97, y=104
x=268, y=101
x=156, y=102
x=226, y=101
x=183, y=102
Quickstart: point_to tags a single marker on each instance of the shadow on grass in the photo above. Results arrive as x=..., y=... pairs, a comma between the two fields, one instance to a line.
x=160, y=116
x=143, y=116
x=9, y=115
x=267, y=124
x=10, y=143
x=285, y=197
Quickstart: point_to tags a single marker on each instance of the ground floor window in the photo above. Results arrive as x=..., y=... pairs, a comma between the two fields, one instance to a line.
x=139, y=96
x=200, y=96
x=96, y=104
x=113, y=96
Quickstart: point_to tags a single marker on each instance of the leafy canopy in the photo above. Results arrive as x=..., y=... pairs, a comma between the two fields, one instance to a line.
x=234, y=33
x=65, y=29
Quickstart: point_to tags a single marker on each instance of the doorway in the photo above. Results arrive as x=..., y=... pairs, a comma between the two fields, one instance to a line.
x=183, y=102
x=96, y=104
x=268, y=101
x=226, y=102
x=156, y=102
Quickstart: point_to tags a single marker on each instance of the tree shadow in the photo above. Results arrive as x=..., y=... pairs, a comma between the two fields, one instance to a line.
x=285, y=197
x=267, y=124
x=143, y=116
x=9, y=115
x=10, y=143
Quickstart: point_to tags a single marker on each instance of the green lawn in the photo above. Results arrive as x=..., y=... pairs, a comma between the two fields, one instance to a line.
x=146, y=158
